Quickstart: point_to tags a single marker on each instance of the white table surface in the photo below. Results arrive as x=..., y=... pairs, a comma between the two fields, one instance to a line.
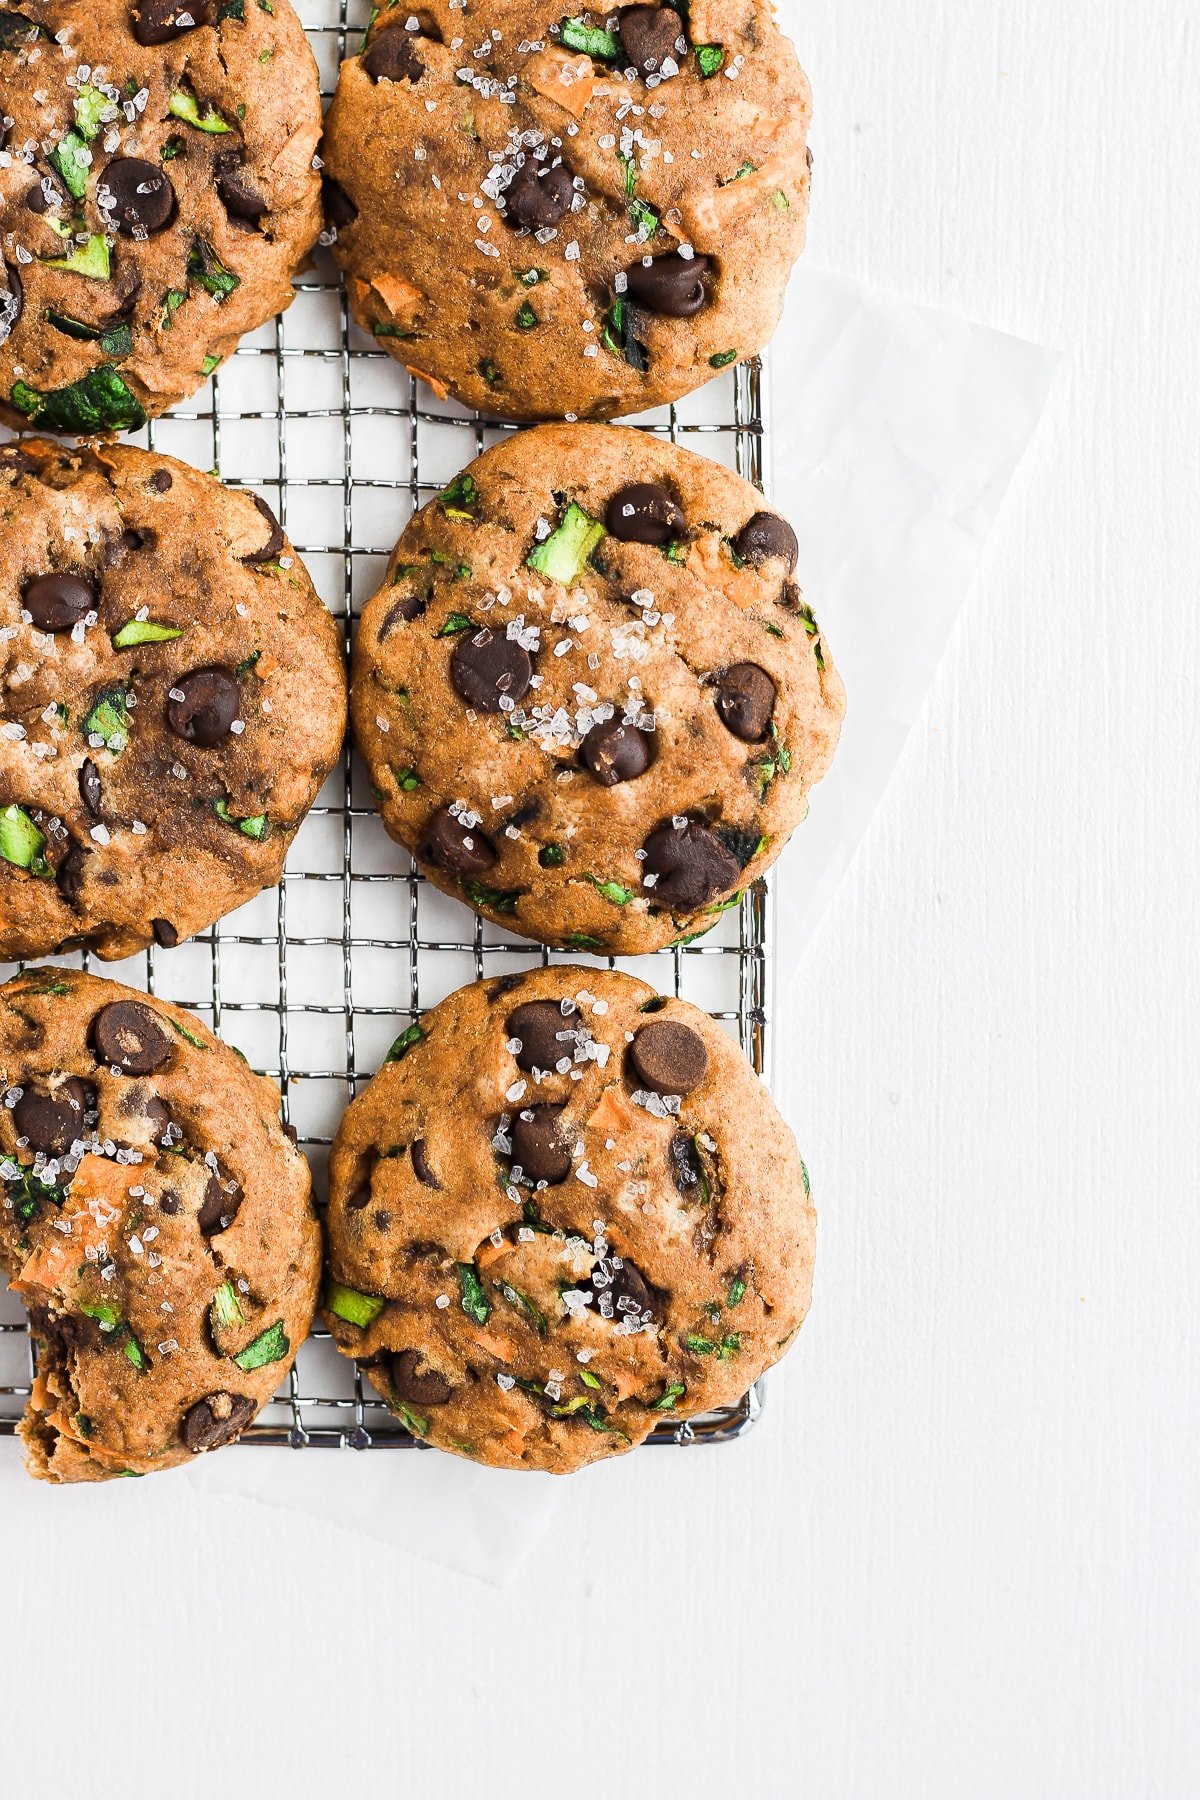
x=957, y=1560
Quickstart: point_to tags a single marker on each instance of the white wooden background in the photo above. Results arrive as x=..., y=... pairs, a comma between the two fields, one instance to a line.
x=957, y=1562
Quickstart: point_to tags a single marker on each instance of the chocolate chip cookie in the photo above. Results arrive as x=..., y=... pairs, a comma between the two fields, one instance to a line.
x=157, y=192
x=548, y=214
x=589, y=693
x=171, y=698
x=563, y=1211
x=155, y=1219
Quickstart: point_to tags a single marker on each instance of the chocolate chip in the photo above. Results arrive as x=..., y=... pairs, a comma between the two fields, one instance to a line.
x=536, y=1146
x=218, y=1420
x=89, y=785
x=449, y=845
x=764, y=536
x=691, y=863
x=402, y=612
x=391, y=57
x=615, y=752
x=683, y=1160
x=12, y=301
x=221, y=1203
x=627, y=1289
x=158, y=21
x=160, y=482
x=421, y=1168
x=157, y=1115
x=668, y=1057
x=127, y=1036
x=135, y=196
x=340, y=209
x=68, y=876
x=416, y=1385
x=54, y=1121
x=242, y=200
x=165, y=934
x=209, y=706
x=649, y=35
x=65, y=1334
x=672, y=284
x=274, y=543
x=169, y=1202
x=57, y=601
x=487, y=668
x=536, y=195
x=745, y=701
x=644, y=513
x=538, y=1024
x=359, y=1198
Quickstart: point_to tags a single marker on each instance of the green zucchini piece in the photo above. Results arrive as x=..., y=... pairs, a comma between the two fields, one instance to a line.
x=722, y=359
x=21, y=843
x=224, y=1316
x=521, y=1303
x=209, y=364
x=270, y=1346
x=710, y=57
x=90, y=107
x=72, y=159
x=144, y=631
x=93, y=260
x=98, y=401
x=414, y=1421
x=17, y=30
x=255, y=827
x=563, y=556
x=475, y=1302
x=501, y=900
x=206, y=267
x=407, y=780
x=593, y=40
x=109, y=720
x=455, y=622
x=525, y=318
x=666, y=1400
x=134, y=1353
x=611, y=890
x=551, y=856
x=348, y=1304
x=408, y=1039
x=618, y=334
x=459, y=500
x=184, y=105
x=737, y=1292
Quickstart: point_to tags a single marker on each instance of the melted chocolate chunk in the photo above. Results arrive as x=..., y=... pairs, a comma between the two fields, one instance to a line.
x=537, y=1024
x=538, y=195
x=487, y=668
x=672, y=285
x=135, y=196
x=745, y=701
x=127, y=1036
x=53, y=1120
x=691, y=863
x=210, y=702
x=449, y=845
x=644, y=513
x=536, y=1145
x=217, y=1420
x=57, y=601
x=765, y=536
x=615, y=752
x=417, y=1384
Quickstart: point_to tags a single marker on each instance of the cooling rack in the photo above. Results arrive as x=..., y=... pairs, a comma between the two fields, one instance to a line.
x=313, y=980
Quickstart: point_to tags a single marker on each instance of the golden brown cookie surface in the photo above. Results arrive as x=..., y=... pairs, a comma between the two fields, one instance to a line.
x=590, y=695
x=157, y=192
x=172, y=696
x=551, y=215
x=155, y=1219
x=566, y=1212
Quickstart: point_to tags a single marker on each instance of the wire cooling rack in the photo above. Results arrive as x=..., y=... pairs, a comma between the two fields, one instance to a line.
x=313, y=980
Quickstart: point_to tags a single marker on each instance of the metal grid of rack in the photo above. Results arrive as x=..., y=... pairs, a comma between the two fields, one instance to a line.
x=314, y=979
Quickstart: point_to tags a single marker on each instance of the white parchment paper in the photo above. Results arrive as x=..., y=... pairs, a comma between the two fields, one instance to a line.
x=894, y=434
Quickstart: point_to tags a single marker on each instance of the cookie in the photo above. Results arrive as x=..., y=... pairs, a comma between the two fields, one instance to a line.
x=544, y=214
x=564, y=1211
x=172, y=696
x=157, y=193
x=590, y=696
x=155, y=1219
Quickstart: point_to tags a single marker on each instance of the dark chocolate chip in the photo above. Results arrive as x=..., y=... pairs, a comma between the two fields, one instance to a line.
x=644, y=513
x=274, y=543
x=649, y=35
x=160, y=482
x=37, y=201
x=211, y=698
x=12, y=300
x=487, y=667
x=158, y=21
x=89, y=786
x=764, y=536
x=537, y=195
x=157, y=1115
x=68, y=876
x=627, y=1289
x=165, y=934
x=403, y=612
x=615, y=752
x=691, y=863
x=421, y=1168
x=671, y=284
x=538, y=1024
x=54, y=1121
x=340, y=209
x=242, y=199
x=66, y=1334
x=135, y=196
x=683, y=1160
x=745, y=701
x=217, y=1420
x=127, y=1036
x=221, y=1204
x=169, y=1202
x=668, y=1057
x=418, y=1385
x=536, y=1146
x=448, y=845
x=57, y=601
x=391, y=57
x=359, y=1198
